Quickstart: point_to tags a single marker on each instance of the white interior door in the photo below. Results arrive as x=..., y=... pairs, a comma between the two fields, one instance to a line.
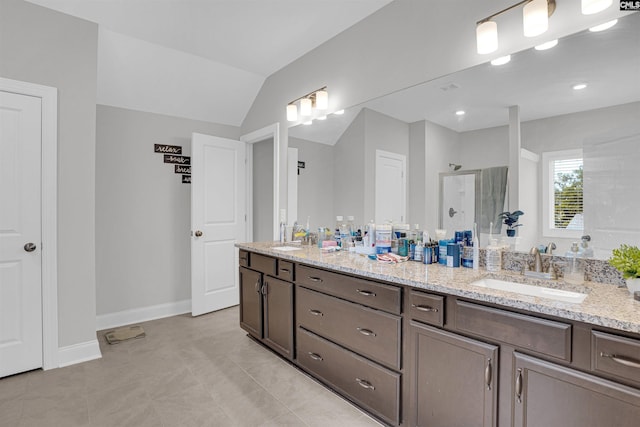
x=20, y=233
x=218, y=215
x=391, y=187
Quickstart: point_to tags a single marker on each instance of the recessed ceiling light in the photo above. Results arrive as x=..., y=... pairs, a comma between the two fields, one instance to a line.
x=604, y=26
x=460, y=113
x=547, y=45
x=339, y=112
x=579, y=86
x=501, y=61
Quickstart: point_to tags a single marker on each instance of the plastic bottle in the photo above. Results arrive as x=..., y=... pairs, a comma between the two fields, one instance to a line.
x=476, y=248
x=494, y=256
x=419, y=252
x=383, y=238
x=575, y=269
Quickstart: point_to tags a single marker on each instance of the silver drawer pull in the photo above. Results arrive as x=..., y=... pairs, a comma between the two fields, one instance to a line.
x=626, y=361
x=367, y=332
x=314, y=279
x=315, y=356
x=316, y=312
x=285, y=270
x=424, y=308
x=366, y=293
x=365, y=384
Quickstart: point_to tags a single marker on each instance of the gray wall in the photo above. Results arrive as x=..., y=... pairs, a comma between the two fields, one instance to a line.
x=41, y=46
x=263, y=191
x=315, y=183
x=416, y=191
x=349, y=172
x=143, y=211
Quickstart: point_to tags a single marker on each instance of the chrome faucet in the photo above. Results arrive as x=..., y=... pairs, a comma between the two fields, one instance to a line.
x=537, y=260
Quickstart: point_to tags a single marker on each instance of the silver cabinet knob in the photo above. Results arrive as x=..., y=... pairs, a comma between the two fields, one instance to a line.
x=30, y=247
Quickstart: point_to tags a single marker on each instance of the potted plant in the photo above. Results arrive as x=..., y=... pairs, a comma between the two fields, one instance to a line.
x=626, y=259
x=510, y=219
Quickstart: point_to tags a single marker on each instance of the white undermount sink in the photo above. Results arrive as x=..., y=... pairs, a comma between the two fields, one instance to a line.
x=531, y=290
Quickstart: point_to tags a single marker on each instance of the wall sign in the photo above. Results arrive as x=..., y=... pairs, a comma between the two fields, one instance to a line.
x=167, y=149
x=186, y=179
x=183, y=169
x=180, y=160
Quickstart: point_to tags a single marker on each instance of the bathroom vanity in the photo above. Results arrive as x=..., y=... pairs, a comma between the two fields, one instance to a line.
x=422, y=345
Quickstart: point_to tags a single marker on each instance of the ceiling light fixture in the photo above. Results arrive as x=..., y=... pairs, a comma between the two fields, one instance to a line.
x=535, y=21
x=579, y=86
x=316, y=100
x=547, y=45
x=589, y=7
x=460, y=113
x=604, y=26
x=501, y=61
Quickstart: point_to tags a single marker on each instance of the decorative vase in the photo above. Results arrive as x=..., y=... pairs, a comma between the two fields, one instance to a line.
x=511, y=232
x=633, y=285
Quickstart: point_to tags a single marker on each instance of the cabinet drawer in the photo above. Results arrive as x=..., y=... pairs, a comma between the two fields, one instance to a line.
x=427, y=308
x=531, y=333
x=243, y=258
x=372, y=333
x=285, y=270
x=262, y=263
x=372, y=294
x=372, y=386
x=617, y=356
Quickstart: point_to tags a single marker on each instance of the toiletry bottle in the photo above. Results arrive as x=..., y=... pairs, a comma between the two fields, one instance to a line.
x=419, y=252
x=476, y=247
x=494, y=256
x=336, y=234
x=575, y=269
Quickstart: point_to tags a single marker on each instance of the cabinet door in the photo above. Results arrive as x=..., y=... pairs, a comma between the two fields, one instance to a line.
x=278, y=315
x=251, y=301
x=454, y=379
x=546, y=395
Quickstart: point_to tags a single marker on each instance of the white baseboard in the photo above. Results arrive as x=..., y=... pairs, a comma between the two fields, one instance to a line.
x=78, y=353
x=144, y=314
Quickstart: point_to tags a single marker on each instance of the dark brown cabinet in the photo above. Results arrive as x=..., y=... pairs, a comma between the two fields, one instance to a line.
x=266, y=305
x=547, y=394
x=454, y=379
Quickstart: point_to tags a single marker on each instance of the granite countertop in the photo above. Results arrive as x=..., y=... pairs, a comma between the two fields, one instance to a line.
x=606, y=304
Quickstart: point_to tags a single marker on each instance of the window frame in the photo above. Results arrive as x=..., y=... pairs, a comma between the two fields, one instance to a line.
x=548, y=193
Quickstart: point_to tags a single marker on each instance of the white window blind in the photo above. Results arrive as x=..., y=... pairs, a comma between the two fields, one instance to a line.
x=567, y=183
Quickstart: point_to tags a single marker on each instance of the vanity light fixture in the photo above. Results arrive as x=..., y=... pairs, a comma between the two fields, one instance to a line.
x=589, y=7
x=604, y=26
x=535, y=21
x=317, y=100
x=460, y=113
x=501, y=60
x=547, y=45
x=579, y=86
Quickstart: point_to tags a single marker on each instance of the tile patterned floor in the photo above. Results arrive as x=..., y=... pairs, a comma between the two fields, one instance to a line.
x=188, y=371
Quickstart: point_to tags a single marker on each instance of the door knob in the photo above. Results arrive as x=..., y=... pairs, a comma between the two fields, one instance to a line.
x=198, y=233
x=30, y=247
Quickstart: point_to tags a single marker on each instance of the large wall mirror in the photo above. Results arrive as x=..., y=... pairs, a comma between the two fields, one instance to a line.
x=602, y=120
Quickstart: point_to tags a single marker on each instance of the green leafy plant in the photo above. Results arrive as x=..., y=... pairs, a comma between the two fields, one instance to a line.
x=626, y=259
x=510, y=219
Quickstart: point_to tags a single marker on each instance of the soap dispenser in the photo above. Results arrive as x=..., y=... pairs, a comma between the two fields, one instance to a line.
x=586, y=251
x=575, y=269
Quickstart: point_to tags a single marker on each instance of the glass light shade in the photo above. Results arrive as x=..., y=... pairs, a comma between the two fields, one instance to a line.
x=322, y=100
x=604, y=26
x=487, y=37
x=305, y=107
x=292, y=112
x=547, y=45
x=589, y=7
x=535, y=18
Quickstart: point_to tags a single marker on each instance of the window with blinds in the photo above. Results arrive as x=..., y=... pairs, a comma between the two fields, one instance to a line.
x=567, y=200
x=562, y=179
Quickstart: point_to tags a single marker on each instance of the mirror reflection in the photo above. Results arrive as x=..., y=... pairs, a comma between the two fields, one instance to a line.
x=465, y=119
